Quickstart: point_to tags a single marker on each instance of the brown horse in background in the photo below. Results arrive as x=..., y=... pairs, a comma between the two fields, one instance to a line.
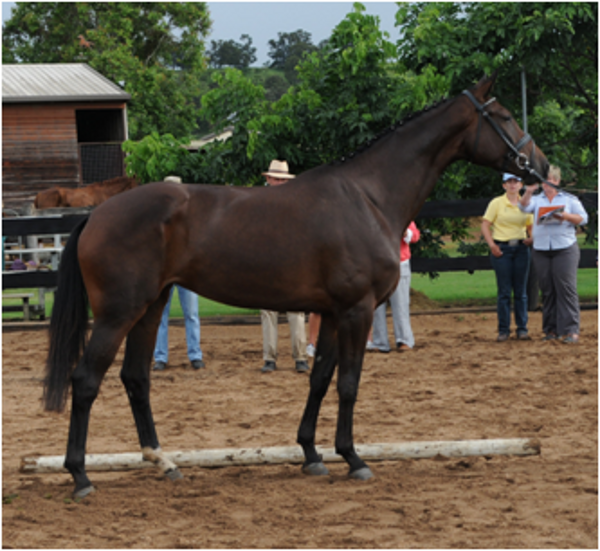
x=335, y=252
x=88, y=196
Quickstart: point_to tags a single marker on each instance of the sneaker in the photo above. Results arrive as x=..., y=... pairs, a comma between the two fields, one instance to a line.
x=522, y=336
x=401, y=347
x=269, y=366
x=159, y=366
x=502, y=337
x=198, y=364
x=310, y=350
x=302, y=367
x=550, y=337
x=570, y=339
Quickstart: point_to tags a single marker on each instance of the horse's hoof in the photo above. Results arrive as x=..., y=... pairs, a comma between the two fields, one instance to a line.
x=362, y=474
x=84, y=492
x=173, y=474
x=315, y=469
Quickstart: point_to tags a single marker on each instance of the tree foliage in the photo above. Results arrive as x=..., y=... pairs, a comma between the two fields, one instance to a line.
x=154, y=157
x=555, y=43
x=154, y=50
x=229, y=53
x=360, y=82
x=287, y=51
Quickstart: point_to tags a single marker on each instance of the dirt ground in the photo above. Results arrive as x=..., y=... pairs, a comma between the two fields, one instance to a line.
x=457, y=383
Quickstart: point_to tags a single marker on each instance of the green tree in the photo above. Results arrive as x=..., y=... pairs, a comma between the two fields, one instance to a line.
x=287, y=51
x=154, y=50
x=229, y=53
x=347, y=94
x=154, y=157
x=555, y=43
x=359, y=83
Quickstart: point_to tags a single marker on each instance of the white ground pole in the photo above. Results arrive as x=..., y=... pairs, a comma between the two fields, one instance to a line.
x=227, y=457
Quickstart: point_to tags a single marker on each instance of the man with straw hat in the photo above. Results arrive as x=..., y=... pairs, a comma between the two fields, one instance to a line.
x=278, y=174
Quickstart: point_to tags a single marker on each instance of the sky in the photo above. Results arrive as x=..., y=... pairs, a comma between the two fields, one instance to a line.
x=262, y=21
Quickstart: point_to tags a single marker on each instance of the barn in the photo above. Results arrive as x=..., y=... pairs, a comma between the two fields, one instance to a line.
x=62, y=125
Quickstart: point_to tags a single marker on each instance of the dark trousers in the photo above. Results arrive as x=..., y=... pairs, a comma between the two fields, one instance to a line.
x=557, y=275
x=511, y=270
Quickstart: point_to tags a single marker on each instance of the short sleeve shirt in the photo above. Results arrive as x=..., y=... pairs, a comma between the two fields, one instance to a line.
x=508, y=222
x=550, y=233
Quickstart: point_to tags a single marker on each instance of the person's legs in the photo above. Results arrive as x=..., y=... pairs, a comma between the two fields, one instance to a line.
x=189, y=305
x=520, y=274
x=564, y=268
x=298, y=335
x=314, y=324
x=161, y=349
x=380, y=331
x=502, y=269
x=543, y=261
x=269, y=330
x=400, y=304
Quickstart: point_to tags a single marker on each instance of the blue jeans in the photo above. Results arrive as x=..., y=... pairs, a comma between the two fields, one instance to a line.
x=189, y=304
x=512, y=269
x=400, y=304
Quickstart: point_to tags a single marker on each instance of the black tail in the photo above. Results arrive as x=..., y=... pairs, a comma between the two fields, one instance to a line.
x=68, y=326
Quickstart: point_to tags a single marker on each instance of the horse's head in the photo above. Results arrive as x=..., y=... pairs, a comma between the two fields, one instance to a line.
x=494, y=138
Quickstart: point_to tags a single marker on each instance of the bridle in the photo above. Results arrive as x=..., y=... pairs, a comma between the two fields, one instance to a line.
x=514, y=154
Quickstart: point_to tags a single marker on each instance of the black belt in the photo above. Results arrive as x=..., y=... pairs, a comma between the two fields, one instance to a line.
x=510, y=242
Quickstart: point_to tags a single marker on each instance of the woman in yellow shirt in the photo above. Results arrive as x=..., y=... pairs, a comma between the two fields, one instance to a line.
x=505, y=229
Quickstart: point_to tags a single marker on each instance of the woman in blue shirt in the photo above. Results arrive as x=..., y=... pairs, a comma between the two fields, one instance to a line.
x=556, y=255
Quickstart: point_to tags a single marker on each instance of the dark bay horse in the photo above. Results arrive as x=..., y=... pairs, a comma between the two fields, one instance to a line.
x=87, y=196
x=335, y=251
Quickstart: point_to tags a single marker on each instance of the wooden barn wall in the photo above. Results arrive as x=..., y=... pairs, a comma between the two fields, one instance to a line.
x=39, y=149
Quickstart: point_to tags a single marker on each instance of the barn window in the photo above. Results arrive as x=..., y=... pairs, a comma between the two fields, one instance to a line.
x=100, y=133
x=100, y=125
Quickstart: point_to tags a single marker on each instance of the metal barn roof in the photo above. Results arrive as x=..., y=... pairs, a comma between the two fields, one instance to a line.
x=29, y=83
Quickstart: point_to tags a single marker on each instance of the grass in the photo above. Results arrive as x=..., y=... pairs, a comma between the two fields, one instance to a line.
x=207, y=308
x=464, y=289
x=449, y=289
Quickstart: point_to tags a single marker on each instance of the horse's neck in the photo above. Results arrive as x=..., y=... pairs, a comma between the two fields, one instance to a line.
x=411, y=160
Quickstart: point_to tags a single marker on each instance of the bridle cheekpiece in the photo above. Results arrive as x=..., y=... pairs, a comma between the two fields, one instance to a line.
x=514, y=154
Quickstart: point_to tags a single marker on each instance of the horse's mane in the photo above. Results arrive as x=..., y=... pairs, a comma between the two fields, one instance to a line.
x=388, y=130
x=120, y=182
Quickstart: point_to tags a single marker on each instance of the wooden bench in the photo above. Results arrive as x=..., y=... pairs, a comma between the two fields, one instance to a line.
x=24, y=297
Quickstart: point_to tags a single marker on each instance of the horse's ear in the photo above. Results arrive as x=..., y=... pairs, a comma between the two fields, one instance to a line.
x=484, y=87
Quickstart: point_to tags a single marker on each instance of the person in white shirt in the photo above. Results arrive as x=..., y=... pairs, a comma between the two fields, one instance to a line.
x=556, y=255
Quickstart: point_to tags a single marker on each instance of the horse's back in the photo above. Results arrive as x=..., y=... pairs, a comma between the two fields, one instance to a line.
x=273, y=247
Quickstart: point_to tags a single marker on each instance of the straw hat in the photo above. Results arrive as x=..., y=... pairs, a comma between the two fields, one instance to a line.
x=279, y=169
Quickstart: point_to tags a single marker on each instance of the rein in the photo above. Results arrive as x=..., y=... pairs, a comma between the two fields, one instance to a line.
x=519, y=158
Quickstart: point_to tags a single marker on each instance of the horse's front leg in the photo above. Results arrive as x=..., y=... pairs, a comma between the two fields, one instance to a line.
x=135, y=376
x=320, y=378
x=86, y=380
x=352, y=339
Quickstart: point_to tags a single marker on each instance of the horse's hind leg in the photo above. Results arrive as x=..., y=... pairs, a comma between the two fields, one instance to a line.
x=135, y=376
x=352, y=339
x=320, y=378
x=86, y=380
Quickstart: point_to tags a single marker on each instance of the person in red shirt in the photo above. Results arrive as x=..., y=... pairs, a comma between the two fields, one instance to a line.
x=399, y=302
